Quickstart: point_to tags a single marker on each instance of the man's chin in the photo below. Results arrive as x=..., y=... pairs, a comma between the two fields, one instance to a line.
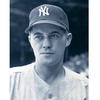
x=47, y=62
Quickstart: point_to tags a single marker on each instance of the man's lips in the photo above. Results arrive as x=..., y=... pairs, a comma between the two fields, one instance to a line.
x=46, y=53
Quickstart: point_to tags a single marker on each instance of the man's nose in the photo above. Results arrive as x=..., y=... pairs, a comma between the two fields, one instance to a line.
x=47, y=43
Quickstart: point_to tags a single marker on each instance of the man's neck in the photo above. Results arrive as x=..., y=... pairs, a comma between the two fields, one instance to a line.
x=49, y=73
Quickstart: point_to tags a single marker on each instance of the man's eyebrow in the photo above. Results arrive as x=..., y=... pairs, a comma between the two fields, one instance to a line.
x=37, y=33
x=59, y=33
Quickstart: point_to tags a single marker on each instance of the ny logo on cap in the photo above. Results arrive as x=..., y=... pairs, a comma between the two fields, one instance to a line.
x=43, y=11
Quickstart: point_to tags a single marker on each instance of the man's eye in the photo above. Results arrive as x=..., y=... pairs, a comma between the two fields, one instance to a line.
x=54, y=36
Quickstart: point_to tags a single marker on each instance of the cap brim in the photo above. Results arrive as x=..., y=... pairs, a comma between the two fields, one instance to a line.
x=44, y=21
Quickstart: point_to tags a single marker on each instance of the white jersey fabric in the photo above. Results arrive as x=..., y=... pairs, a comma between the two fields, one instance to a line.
x=25, y=84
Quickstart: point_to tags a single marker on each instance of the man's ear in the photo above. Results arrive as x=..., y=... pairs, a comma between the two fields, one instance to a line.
x=68, y=39
x=29, y=39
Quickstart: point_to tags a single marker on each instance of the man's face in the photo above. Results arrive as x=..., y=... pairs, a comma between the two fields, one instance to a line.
x=48, y=43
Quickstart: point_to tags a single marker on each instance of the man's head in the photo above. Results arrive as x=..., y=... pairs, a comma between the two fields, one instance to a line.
x=48, y=33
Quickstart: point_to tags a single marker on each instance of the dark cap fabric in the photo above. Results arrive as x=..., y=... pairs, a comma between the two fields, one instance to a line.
x=47, y=13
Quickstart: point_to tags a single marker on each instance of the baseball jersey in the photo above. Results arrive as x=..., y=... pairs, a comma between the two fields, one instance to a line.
x=25, y=84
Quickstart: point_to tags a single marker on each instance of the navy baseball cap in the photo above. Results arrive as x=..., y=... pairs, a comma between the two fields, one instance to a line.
x=50, y=14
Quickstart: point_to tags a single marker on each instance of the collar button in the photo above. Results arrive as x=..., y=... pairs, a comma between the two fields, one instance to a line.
x=50, y=96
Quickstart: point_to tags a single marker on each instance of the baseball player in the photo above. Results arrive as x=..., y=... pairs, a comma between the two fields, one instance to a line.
x=47, y=78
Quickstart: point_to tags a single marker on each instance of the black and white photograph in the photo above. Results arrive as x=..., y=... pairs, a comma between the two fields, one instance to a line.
x=49, y=50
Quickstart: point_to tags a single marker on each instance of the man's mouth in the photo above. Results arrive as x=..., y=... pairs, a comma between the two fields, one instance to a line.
x=46, y=53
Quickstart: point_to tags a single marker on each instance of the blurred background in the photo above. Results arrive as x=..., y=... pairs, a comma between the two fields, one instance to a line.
x=77, y=11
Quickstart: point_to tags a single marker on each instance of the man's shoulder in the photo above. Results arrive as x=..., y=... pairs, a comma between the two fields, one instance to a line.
x=21, y=69
x=75, y=76
x=20, y=76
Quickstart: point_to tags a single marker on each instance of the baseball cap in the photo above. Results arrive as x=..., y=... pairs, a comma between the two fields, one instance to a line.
x=50, y=14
